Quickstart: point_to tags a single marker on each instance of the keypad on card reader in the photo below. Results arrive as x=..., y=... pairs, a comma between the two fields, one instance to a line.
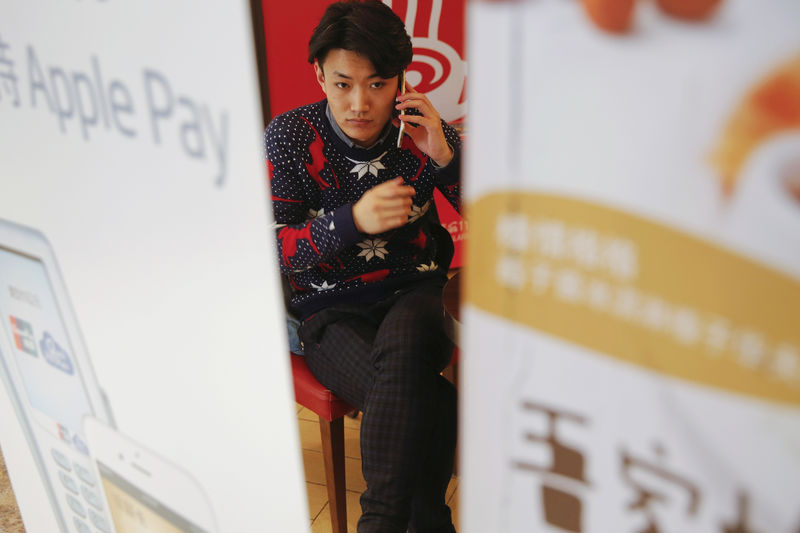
x=66, y=467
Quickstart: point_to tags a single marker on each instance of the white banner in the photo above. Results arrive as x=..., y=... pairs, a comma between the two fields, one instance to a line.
x=136, y=260
x=631, y=333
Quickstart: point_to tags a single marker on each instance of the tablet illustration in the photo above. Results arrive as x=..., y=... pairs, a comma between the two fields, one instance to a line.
x=46, y=372
x=145, y=492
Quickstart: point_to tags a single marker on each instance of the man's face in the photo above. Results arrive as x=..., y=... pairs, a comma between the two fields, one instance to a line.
x=361, y=101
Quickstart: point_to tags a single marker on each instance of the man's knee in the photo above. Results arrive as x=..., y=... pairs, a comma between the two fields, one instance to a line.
x=426, y=350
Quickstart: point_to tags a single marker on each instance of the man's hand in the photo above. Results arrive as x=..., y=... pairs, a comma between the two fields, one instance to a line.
x=428, y=136
x=383, y=207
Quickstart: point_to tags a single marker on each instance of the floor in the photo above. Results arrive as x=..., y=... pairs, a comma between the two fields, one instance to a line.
x=319, y=513
x=10, y=521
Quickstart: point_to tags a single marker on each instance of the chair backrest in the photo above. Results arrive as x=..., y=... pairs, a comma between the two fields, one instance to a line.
x=444, y=245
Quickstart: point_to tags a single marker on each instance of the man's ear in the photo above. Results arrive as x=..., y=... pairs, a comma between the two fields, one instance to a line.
x=320, y=75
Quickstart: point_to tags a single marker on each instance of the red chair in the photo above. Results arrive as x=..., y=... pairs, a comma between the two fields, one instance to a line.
x=312, y=395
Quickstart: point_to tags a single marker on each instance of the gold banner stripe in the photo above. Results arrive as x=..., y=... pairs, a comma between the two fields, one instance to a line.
x=636, y=290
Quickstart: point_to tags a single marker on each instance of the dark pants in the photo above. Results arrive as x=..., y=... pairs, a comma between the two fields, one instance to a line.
x=385, y=360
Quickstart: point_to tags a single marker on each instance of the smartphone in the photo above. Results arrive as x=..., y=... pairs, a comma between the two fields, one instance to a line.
x=47, y=375
x=403, y=111
x=146, y=493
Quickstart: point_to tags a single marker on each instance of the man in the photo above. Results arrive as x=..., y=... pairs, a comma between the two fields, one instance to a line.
x=360, y=243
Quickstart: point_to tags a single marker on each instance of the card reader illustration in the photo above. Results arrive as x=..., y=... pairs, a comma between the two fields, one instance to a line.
x=23, y=336
x=47, y=376
x=55, y=354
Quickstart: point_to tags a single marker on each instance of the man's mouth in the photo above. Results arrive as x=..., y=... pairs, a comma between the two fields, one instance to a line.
x=358, y=122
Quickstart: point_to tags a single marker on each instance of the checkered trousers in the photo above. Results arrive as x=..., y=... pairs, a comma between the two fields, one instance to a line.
x=385, y=359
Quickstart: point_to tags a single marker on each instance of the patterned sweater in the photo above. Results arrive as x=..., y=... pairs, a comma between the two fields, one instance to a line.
x=315, y=178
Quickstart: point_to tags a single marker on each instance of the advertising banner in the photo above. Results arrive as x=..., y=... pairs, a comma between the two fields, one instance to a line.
x=633, y=289
x=143, y=358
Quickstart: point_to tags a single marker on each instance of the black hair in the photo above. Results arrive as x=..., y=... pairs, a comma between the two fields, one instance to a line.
x=368, y=27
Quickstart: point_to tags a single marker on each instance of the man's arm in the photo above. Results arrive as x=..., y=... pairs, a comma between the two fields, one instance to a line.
x=437, y=140
x=448, y=179
x=304, y=238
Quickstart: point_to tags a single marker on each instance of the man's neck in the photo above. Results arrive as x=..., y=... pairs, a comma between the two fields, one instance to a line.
x=347, y=140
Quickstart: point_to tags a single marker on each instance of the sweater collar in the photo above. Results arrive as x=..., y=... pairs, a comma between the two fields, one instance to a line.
x=346, y=140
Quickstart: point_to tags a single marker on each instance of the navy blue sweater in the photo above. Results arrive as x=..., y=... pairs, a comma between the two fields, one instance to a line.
x=315, y=178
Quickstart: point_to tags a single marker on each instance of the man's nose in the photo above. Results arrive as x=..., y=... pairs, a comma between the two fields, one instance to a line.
x=360, y=101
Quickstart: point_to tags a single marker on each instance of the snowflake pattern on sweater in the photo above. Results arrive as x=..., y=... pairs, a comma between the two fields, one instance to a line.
x=315, y=178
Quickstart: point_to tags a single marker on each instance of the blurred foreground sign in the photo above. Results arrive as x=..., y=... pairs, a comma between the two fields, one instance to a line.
x=633, y=287
x=144, y=377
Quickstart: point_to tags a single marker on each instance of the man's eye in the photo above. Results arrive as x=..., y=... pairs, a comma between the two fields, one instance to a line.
x=341, y=85
x=377, y=84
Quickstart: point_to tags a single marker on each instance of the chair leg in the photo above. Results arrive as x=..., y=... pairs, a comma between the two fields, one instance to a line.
x=450, y=373
x=333, y=454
